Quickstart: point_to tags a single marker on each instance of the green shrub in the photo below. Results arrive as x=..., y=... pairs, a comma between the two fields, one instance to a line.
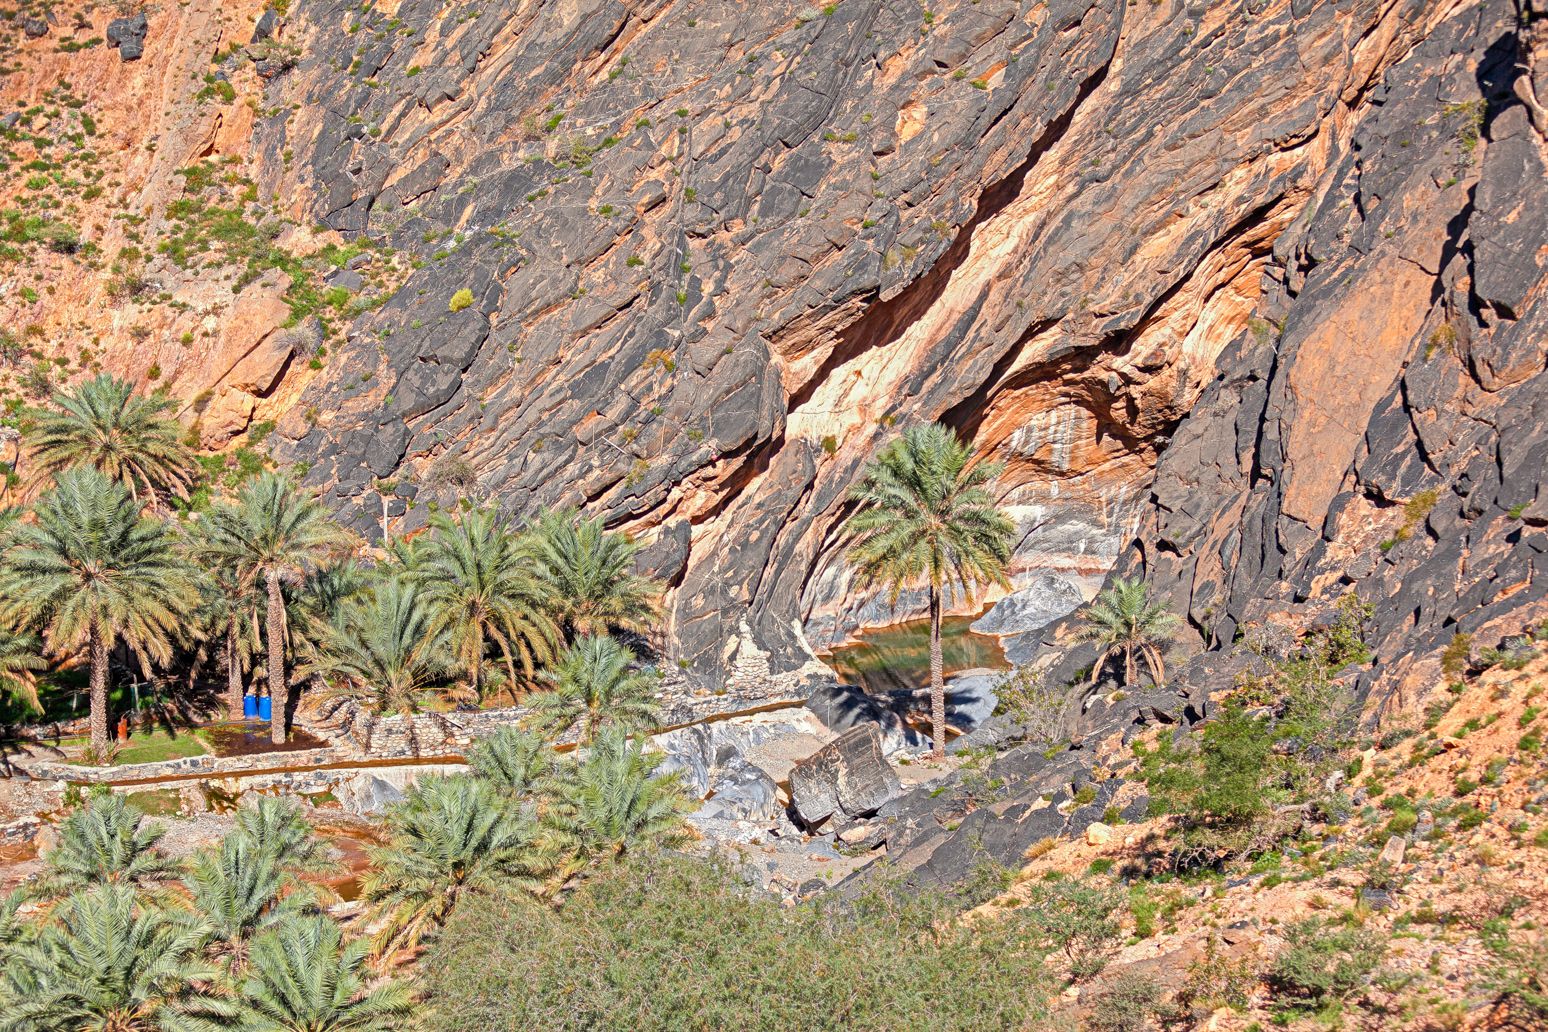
x=672, y=942
x=1322, y=965
x=1518, y=975
x=1128, y=1002
x=460, y=300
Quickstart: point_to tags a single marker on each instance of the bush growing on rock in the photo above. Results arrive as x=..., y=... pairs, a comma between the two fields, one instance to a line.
x=1265, y=759
x=1322, y=965
x=1129, y=1002
x=460, y=300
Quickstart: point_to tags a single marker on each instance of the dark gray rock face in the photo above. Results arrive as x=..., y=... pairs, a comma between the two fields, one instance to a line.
x=1294, y=247
x=1384, y=433
x=937, y=834
x=128, y=35
x=845, y=779
x=267, y=25
x=715, y=265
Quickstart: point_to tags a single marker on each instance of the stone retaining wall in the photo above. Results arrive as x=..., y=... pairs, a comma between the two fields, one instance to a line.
x=356, y=737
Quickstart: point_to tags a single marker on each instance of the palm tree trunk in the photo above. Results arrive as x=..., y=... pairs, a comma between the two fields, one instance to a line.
x=274, y=631
x=1128, y=666
x=99, y=694
x=937, y=680
x=233, y=673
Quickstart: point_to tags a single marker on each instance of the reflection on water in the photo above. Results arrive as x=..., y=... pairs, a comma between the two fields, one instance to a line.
x=897, y=656
x=351, y=859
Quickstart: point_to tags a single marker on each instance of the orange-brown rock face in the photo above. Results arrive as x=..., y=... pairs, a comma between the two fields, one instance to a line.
x=688, y=264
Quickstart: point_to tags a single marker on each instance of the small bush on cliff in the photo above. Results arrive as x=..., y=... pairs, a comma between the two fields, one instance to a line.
x=1253, y=771
x=1322, y=965
x=1026, y=697
x=1129, y=1002
x=1518, y=973
x=460, y=300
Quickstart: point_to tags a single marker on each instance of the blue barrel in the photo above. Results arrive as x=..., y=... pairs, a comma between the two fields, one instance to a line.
x=265, y=708
x=249, y=706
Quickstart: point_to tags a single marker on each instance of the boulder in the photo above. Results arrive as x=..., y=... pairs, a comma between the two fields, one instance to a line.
x=741, y=791
x=349, y=279
x=1098, y=834
x=971, y=698
x=687, y=754
x=845, y=779
x=841, y=707
x=366, y=793
x=1043, y=600
x=697, y=752
x=128, y=35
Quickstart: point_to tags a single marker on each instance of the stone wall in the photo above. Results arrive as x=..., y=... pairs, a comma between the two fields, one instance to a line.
x=357, y=738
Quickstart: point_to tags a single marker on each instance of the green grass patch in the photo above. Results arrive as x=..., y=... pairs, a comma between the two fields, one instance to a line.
x=157, y=802
x=152, y=747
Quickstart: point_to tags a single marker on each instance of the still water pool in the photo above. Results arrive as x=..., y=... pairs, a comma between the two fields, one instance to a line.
x=897, y=656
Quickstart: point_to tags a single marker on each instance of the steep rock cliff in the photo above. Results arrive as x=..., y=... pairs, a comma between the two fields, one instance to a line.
x=686, y=264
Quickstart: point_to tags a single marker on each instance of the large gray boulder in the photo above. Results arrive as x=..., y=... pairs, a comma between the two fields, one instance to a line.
x=971, y=698
x=366, y=793
x=741, y=791
x=695, y=753
x=1040, y=602
x=846, y=779
x=842, y=707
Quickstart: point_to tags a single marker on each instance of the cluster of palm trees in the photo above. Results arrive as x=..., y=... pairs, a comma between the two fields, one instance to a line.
x=525, y=817
x=266, y=580
x=130, y=939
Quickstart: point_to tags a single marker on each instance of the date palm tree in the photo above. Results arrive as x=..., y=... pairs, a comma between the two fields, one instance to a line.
x=272, y=535
x=925, y=516
x=19, y=663
x=276, y=826
x=385, y=649
x=592, y=586
x=130, y=438
x=105, y=842
x=92, y=572
x=613, y=802
x=515, y=763
x=237, y=891
x=1123, y=619
x=481, y=590
x=108, y=962
x=304, y=978
x=450, y=838
x=593, y=682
